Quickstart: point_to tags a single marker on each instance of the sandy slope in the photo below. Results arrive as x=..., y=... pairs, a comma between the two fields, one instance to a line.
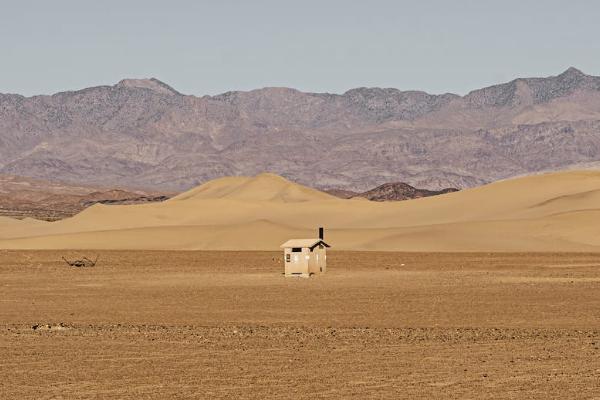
x=558, y=211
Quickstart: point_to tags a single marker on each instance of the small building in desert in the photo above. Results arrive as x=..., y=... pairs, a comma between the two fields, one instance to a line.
x=305, y=257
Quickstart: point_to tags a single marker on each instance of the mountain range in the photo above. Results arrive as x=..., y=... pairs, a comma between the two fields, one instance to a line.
x=142, y=133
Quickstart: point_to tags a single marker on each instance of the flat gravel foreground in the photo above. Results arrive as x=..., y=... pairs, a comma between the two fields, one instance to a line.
x=228, y=325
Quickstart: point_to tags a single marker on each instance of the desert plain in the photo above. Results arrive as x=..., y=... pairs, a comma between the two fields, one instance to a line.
x=223, y=324
x=491, y=292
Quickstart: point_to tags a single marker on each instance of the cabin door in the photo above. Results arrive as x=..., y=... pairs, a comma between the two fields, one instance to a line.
x=297, y=264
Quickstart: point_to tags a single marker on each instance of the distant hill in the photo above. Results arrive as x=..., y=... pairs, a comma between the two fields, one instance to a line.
x=34, y=198
x=143, y=133
x=390, y=192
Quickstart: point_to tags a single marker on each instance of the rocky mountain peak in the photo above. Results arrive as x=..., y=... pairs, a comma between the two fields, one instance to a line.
x=151, y=84
x=573, y=72
x=541, y=90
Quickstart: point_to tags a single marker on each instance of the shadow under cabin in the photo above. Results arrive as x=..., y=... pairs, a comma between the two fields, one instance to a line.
x=305, y=257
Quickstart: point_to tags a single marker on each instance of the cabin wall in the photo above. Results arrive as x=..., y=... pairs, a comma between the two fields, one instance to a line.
x=298, y=262
x=321, y=256
x=317, y=262
x=305, y=262
x=313, y=263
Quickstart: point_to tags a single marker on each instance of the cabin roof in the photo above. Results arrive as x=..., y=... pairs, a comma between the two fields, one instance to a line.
x=305, y=243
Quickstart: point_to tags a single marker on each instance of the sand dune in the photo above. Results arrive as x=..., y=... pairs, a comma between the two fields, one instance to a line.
x=551, y=212
x=8, y=221
x=263, y=187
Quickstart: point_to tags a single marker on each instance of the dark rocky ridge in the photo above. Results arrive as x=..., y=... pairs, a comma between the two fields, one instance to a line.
x=393, y=191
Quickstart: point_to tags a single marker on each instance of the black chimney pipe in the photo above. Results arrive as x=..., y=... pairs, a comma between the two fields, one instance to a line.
x=321, y=233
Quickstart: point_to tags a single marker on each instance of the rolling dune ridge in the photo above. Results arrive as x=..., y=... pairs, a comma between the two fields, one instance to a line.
x=550, y=212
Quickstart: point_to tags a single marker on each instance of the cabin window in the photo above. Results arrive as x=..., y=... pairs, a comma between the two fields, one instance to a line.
x=288, y=257
x=296, y=249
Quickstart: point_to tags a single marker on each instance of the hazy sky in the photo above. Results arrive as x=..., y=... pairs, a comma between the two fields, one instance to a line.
x=209, y=47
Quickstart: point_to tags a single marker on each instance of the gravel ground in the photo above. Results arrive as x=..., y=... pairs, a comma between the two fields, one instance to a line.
x=229, y=325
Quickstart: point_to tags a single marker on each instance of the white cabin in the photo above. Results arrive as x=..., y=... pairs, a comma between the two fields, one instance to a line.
x=305, y=257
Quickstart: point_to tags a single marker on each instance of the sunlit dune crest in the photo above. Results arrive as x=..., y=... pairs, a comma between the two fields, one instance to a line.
x=550, y=212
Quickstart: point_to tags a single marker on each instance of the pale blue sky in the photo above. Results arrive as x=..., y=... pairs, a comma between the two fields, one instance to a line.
x=209, y=47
